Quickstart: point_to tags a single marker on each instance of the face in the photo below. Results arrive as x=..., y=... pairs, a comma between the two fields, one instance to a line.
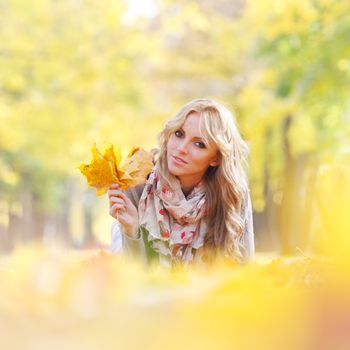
x=189, y=155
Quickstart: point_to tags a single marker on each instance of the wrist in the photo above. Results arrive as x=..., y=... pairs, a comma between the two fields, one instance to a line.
x=132, y=231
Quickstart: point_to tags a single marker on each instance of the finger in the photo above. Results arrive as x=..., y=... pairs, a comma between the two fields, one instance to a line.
x=110, y=188
x=117, y=207
x=115, y=192
x=114, y=185
x=120, y=194
x=117, y=200
x=115, y=211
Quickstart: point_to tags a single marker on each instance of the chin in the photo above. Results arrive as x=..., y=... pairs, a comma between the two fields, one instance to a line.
x=173, y=171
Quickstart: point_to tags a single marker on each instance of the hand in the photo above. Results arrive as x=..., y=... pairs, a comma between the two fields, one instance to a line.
x=122, y=209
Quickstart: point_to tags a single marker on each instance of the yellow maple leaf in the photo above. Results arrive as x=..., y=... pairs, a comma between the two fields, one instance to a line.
x=106, y=169
x=136, y=166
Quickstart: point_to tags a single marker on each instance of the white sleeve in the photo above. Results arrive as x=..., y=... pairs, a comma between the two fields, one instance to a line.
x=249, y=228
x=248, y=235
x=117, y=239
x=122, y=243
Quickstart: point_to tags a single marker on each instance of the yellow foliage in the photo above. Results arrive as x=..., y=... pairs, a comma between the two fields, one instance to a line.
x=332, y=194
x=104, y=301
x=107, y=169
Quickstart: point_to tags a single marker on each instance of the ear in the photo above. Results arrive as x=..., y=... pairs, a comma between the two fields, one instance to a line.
x=215, y=161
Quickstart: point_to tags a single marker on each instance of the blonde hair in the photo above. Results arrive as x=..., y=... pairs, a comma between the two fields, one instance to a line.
x=226, y=184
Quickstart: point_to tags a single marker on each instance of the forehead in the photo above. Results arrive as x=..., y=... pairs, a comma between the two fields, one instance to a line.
x=192, y=124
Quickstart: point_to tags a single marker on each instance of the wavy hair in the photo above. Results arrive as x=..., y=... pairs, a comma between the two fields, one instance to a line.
x=226, y=184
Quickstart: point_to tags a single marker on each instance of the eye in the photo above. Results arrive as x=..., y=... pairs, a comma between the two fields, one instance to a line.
x=178, y=133
x=200, y=144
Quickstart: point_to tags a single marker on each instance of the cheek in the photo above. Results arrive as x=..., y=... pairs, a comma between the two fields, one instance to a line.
x=205, y=157
x=200, y=159
x=171, y=143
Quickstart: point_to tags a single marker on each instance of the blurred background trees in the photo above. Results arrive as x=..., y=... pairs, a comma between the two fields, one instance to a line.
x=77, y=72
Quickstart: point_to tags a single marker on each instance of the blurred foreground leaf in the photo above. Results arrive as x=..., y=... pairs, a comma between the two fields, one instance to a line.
x=84, y=301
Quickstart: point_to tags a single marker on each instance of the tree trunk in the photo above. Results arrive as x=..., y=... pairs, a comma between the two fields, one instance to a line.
x=89, y=238
x=293, y=201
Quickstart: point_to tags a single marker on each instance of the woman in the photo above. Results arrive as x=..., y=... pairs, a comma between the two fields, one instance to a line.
x=195, y=205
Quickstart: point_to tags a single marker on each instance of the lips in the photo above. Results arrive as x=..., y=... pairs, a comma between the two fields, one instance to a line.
x=179, y=160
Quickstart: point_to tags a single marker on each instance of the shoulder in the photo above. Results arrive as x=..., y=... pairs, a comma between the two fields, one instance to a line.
x=245, y=191
x=247, y=239
x=246, y=201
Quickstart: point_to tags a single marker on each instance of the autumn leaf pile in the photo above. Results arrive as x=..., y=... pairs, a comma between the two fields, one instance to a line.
x=73, y=300
x=109, y=168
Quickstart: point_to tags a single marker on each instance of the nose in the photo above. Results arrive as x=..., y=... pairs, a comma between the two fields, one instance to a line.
x=182, y=147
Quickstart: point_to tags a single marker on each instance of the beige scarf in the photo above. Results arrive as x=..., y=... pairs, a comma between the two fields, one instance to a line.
x=175, y=224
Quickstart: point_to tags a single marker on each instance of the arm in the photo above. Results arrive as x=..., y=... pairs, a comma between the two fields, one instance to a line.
x=129, y=242
x=123, y=243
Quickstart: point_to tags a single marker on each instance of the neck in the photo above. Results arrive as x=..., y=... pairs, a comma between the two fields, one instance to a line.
x=187, y=190
x=187, y=185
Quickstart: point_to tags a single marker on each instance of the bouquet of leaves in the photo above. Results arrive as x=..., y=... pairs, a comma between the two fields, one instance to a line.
x=109, y=168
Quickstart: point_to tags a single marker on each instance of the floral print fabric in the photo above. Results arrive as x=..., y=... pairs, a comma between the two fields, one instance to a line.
x=176, y=225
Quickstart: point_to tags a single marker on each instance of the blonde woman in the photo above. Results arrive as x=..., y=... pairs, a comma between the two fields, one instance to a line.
x=195, y=205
